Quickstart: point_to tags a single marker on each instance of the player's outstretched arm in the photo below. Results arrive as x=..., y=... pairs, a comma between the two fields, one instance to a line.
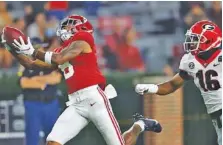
x=30, y=64
x=23, y=60
x=170, y=86
x=27, y=61
x=68, y=53
x=161, y=89
x=72, y=50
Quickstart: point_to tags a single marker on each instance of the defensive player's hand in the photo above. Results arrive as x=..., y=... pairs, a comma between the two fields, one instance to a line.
x=146, y=88
x=3, y=41
x=141, y=88
x=23, y=48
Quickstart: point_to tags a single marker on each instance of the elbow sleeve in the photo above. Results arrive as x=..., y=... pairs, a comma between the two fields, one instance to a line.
x=183, y=74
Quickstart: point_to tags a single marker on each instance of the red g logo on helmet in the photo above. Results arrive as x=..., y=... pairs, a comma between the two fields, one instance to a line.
x=202, y=36
x=208, y=27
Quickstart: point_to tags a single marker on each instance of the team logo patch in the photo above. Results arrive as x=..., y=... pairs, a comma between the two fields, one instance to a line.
x=208, y=27
x=191, y=65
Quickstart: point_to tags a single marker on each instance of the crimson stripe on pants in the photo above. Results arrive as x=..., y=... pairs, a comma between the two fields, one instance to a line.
x=114, y=122
x=106, y=99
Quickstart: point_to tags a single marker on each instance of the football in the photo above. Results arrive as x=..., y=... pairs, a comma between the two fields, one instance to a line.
x=8, y=36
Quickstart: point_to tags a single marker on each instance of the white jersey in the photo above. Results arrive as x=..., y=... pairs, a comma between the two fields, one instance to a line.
x=207, y=77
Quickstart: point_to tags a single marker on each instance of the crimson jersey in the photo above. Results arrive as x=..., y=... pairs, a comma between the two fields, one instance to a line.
x=82, y=71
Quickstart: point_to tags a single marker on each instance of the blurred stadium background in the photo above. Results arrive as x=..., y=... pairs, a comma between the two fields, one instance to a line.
x=137, y=42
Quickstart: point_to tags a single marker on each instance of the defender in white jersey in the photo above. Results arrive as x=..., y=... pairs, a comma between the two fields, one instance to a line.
x=207, y=78
x=202, y=63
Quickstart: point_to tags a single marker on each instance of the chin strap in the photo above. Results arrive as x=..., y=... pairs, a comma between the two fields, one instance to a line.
x=207, y=54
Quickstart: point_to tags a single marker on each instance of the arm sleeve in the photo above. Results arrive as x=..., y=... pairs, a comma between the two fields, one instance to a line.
x=183, y=74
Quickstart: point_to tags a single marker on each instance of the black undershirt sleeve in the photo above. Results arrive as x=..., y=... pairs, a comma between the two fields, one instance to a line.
x=183, y=74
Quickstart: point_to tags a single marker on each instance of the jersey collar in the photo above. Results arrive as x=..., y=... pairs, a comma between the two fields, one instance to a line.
x=205, y=63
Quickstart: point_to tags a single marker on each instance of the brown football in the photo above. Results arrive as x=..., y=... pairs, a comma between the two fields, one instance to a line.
x=9, y=34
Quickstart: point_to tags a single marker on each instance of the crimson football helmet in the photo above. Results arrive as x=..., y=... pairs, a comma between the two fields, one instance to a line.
x=202, y=36
x=72, y=24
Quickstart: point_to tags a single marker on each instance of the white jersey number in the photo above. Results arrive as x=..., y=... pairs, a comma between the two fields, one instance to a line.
x=67, y=69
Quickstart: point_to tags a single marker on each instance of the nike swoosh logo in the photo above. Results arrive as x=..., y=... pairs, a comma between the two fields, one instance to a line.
x=216, y=64
x=93, y=104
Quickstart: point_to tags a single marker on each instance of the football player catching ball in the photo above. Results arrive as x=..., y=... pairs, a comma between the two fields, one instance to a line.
x=88, y=98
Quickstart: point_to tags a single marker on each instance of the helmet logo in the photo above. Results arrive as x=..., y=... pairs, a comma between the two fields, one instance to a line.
x=208, y=27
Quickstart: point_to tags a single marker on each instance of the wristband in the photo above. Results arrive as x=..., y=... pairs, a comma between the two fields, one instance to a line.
x=152, y=88
x=48, y=57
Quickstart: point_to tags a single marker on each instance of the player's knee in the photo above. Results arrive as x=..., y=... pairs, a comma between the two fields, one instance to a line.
x=52, y=143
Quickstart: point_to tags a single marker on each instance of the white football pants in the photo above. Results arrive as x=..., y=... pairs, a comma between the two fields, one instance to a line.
x=88, y=104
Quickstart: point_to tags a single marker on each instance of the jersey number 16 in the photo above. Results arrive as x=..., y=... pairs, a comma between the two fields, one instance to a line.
x=206, y=82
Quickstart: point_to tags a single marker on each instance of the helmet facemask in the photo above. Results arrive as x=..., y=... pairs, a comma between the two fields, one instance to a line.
x=67, y=29
x=193, y=41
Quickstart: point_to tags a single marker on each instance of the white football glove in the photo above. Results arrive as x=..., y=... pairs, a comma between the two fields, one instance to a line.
x=146, y=88
x=26, y=49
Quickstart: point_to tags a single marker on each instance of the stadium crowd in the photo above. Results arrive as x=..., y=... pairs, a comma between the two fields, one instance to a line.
x=118, y=33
